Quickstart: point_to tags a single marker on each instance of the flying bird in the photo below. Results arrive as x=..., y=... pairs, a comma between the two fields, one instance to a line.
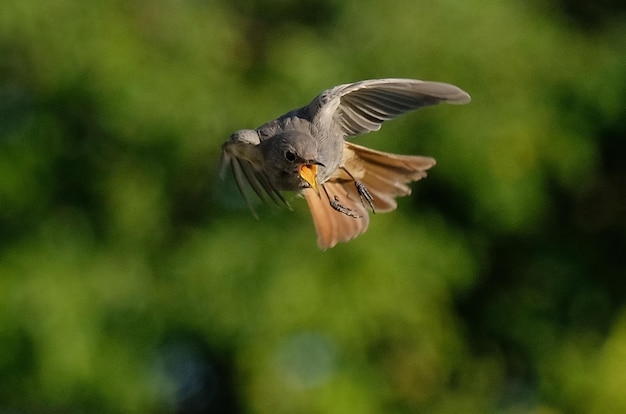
x=306, y=151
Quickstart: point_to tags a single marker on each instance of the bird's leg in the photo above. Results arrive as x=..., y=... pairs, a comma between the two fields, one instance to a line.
x=364, y=193
x=335, y=204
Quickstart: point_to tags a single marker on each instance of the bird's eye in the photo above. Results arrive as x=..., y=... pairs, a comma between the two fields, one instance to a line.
x=290, y=156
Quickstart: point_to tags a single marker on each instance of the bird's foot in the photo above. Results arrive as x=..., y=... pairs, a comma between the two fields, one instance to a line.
x=365, y=195
x=341, y=208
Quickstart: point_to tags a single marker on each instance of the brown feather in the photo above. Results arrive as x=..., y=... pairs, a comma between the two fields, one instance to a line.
x=331, y=225
x=384, y=175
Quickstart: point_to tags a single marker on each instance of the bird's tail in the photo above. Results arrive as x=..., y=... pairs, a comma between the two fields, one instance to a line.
x=368, y=178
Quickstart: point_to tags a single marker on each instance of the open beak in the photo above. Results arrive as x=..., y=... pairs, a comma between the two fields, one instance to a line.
x=308, y=172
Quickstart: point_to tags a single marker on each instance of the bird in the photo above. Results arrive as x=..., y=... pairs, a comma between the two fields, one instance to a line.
x=307, y=151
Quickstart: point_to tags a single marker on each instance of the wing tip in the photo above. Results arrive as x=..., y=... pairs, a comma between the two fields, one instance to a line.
x=460, y=98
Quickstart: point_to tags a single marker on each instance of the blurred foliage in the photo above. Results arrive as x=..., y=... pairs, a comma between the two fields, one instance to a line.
x=133, y=280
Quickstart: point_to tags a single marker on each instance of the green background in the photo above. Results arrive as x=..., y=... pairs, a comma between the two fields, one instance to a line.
x=133, y=280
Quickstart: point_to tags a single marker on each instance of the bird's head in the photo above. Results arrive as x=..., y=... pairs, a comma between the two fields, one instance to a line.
x=291, y=160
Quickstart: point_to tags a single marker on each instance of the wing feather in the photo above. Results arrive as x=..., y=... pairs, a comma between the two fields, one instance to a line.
x=363, y=106
x=238, y=155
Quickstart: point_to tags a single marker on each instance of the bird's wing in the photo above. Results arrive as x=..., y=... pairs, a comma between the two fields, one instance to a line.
x=242, y=157
x=384, y=175
x=363, y=106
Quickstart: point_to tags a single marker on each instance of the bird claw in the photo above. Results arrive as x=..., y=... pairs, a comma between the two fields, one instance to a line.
x=364, y=194
x=342, y=209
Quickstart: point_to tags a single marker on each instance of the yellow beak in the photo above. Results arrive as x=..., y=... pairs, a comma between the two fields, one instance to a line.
x=309, y=174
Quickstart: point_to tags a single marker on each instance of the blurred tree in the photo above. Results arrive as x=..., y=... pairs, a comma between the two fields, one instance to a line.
x=132, y=280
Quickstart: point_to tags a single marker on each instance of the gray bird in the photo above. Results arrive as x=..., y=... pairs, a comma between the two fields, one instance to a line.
x=306, y=151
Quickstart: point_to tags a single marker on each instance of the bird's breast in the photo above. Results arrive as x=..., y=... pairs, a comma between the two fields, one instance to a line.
x=330, y=154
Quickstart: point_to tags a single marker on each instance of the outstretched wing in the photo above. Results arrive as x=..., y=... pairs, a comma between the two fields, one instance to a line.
x=384, y=175
x=362, y=107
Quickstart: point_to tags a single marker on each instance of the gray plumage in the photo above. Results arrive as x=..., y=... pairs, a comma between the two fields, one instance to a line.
x=306, y=151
